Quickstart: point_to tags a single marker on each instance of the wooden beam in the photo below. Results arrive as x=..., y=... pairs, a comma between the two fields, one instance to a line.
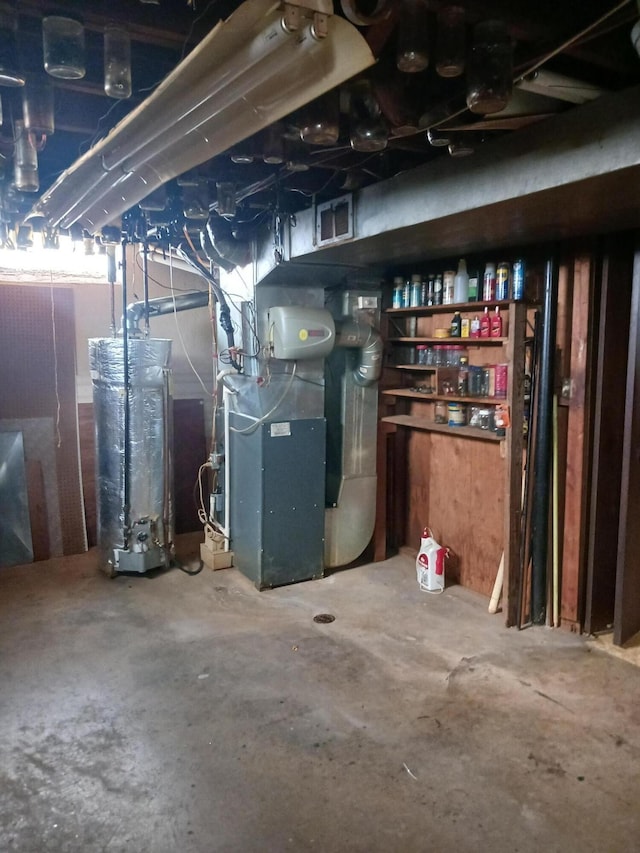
x=576, y=497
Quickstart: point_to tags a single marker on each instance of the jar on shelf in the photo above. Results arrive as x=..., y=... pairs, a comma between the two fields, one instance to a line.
x=440, y=413
x=455, y=355
x=422, y=353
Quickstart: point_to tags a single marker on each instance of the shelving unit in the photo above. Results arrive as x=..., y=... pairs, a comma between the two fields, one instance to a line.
x=446, y=481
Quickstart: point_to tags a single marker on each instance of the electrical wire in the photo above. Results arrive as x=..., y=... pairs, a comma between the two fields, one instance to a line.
x=156, y=281
x=193, y=23
x=257, y=422
x=179, y=565
x=225, y=314
x=203, y=515
x=251, y=322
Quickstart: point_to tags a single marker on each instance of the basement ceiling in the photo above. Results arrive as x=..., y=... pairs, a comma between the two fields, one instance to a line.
x=564, y=52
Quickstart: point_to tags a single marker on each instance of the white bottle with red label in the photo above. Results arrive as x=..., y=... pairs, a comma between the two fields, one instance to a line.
x=430, y=563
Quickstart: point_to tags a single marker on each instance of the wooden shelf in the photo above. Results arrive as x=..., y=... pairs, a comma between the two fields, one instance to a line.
x=452, y=398
x=469, y=342
x=428, y=368
x=424, y=310
x=413, y=422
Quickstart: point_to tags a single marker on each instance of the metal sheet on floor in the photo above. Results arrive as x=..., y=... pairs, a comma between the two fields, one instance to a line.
x=15, y=526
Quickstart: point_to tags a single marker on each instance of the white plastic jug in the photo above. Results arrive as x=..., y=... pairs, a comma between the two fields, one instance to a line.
x=430, y=563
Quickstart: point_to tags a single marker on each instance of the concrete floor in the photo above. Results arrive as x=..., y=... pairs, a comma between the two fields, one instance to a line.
x=185, y=714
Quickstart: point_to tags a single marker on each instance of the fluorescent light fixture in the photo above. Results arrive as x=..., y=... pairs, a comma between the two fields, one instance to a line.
x=561, y=88
x=247, y=73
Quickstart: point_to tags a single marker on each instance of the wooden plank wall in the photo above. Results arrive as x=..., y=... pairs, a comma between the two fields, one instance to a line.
x=614, y=302
x=37, y=353
x=189, y=452
x=456, y=486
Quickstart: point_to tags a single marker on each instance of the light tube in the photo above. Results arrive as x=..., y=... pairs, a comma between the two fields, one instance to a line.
x=247, y=64
x=253, y=73
x=290, y=53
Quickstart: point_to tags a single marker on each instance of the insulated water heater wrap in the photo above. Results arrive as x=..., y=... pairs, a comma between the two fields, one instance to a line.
x=133, y=454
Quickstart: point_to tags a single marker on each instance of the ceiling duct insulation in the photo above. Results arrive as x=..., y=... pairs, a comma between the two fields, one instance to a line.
x=250, y=71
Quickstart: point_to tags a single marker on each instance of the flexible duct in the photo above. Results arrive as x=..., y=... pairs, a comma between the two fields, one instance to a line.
x=349, y=524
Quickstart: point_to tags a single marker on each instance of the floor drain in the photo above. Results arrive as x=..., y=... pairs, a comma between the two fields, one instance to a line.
x=324, y=618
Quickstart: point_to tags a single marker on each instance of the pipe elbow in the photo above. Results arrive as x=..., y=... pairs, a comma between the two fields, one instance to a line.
x=368, y=341
x=369, y=366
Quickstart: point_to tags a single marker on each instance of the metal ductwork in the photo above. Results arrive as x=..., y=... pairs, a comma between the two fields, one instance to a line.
x=162, y=305
x=368, y=343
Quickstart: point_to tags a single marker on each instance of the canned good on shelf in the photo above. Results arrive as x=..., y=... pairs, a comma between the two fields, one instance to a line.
x=456, y=414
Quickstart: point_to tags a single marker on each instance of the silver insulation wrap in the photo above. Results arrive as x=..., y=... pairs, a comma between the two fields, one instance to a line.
x=139, y=536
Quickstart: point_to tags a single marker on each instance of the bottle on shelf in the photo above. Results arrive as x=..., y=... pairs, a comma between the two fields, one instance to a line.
x=437, y=290
x=461, y=283
x=431, y=290
x=496, y=324
x=489, y=283
x=456, y=325
x=474, y=329
x=406, y=294
x=416, y=290
x=463, y=376
x=485, y=324
x=503, y=274
x=448, y=287
x=398, y=292
x=473, y=286
x=465, y=327
x=518, y=279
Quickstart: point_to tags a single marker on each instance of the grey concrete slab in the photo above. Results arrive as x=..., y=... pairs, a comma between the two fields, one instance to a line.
x=196, y=714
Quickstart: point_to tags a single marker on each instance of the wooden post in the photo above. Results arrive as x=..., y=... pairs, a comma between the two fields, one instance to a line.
x=576, y=497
